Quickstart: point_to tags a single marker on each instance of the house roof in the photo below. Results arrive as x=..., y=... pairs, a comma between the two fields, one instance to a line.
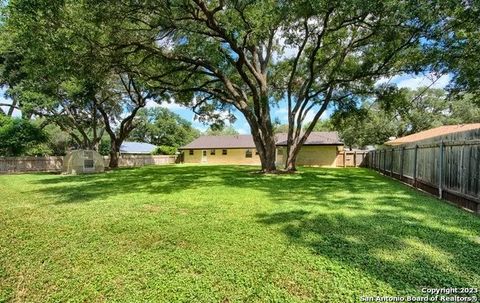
x=434, y=132
x=137, y=148
x=315, y=138
x=246, y=141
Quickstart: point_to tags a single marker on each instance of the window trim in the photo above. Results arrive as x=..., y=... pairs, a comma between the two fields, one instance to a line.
x=191, y=152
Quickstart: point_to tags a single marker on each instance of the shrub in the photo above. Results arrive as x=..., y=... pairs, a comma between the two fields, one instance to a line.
x=165, y=150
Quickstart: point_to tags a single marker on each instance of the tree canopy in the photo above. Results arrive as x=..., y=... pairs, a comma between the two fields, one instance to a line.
x=251, y=55
x=20, y=137
x=160, y=126
x=54, y=67
x=401, y=112
x=85, y=63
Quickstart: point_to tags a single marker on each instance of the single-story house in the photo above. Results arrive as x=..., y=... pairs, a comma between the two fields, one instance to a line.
x=137, y=148
x=446, y=133
x=320, y=149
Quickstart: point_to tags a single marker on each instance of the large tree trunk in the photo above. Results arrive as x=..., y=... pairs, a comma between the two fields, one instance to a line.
x=264, y=139
x=266, y=151
x=292, y=154
x=114, y=154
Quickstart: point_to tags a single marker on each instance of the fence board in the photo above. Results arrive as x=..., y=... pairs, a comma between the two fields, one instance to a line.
x=352, y=158
x=452, y=167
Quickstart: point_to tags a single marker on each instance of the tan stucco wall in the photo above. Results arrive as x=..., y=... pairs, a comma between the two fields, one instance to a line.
x=309, y=156
x=233, y=156
x=312, y=156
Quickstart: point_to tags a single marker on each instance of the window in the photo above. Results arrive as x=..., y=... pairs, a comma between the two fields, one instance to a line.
x=88, y=163
x=212, y=152
x=256, y=152
x=248, y=153
x=190, y=152
x=204, y=153
x=88, y=159
x=224, y=152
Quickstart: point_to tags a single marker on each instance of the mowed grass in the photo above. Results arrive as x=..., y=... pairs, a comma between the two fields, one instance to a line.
x=225, y=234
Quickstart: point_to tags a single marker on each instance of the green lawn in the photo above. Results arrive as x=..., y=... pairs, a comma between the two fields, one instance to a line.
x=224, y=234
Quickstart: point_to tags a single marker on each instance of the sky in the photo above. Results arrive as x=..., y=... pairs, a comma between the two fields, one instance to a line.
x=241, y=125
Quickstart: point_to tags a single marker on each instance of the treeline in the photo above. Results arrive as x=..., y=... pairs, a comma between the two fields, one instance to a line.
x=158, y=126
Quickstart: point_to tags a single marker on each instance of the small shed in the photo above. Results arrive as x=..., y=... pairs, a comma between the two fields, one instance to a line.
x=83, y=162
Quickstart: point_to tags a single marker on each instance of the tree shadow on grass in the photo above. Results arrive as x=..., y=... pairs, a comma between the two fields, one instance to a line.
x=309, y=186
x=150, y=180
x=402, y=251
x=353, y=216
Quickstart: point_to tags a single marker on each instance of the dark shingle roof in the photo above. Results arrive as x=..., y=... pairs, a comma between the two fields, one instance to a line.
x=137, y=148
x=246, y=141
x=315, y=138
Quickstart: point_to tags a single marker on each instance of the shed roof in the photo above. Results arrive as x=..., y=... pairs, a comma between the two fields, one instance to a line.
x=434, y=132
x=137, y=148
x=246, y=141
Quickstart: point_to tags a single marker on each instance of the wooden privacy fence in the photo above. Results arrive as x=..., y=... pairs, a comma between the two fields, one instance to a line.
x=448, y=169
x=55, y=164
x=142, y=160
x=351, y=158
x=30, y=164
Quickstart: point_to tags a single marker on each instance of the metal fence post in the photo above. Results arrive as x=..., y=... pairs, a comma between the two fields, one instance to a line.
x=440, y=172
x=415, y=166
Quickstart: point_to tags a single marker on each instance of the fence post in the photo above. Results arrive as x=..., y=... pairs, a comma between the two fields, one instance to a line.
x=391, y=163
x=440, y=172
x=378, y=162
x=402, y=151
x=384, y=161
x=344, y=158
x=415, y=166
x=354, y=159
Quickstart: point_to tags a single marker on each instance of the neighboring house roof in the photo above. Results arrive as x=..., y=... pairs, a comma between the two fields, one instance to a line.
x=434, y=132
x=246, y=141
x=137, y=148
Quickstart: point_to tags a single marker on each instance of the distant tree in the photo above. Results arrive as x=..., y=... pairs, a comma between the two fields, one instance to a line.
x=221, y=131
x=459, y=48
x=162, y=127
x=21, y=137
x=54, y=66
x=401, y=112
x=165, y=150
x=59, y=142
x=320, y=126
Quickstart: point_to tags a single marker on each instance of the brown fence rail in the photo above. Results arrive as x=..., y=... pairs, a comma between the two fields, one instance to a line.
x=450, y=170
x=55, y=164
